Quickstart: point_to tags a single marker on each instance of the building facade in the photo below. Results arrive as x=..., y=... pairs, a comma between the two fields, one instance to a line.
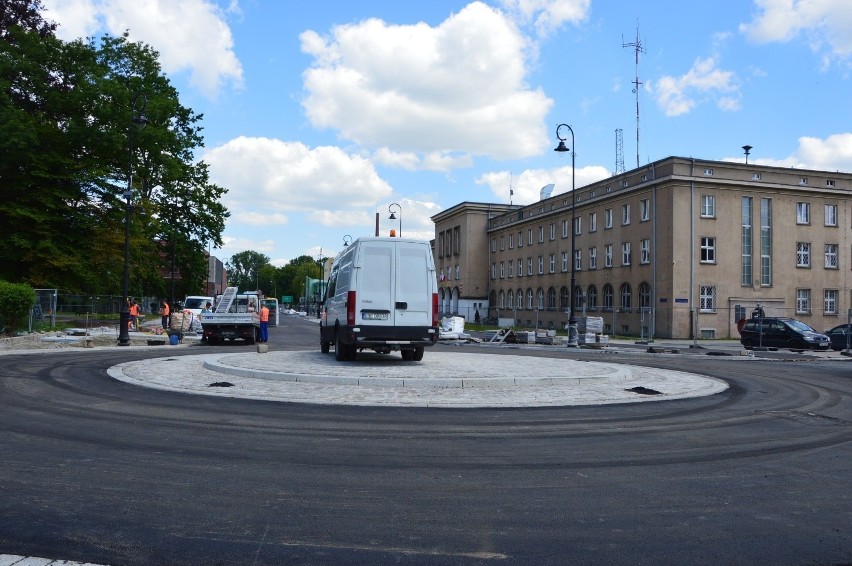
x=679, y=248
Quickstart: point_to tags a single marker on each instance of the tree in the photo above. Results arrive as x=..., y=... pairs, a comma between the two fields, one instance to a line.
x=244, y=269
x=66, y=114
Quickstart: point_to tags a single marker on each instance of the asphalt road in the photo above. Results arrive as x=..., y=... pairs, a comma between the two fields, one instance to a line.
x=96, y=470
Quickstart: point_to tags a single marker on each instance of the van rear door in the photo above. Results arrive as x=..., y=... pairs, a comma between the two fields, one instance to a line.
x=375, y=289
x=413, y=292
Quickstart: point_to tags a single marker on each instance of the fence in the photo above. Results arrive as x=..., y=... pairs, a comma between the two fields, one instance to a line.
x=678, y=322
x=51, y=305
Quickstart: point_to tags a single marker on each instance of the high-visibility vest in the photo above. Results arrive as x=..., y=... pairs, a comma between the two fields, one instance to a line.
x=134, y=310
x=166, y=310
x=264, y=314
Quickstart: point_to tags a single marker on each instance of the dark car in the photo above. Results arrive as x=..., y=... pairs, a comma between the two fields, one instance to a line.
x=782, y=333
x=839, y=336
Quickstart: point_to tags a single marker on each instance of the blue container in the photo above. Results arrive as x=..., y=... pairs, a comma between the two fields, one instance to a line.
x=173, y=339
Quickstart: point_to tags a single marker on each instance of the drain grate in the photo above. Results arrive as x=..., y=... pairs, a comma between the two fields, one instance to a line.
x=643, y=390
x=221, y=384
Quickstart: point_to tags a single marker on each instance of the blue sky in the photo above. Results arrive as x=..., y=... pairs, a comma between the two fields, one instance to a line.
x=319, y=114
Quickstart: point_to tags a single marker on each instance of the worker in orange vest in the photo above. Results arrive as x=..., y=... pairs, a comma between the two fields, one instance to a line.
x=164, y=312
x=264, y=323
x=133, y=324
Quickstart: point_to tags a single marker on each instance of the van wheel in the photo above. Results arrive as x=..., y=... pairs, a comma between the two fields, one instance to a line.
x=407, y=355
x=340, y=349
x=418, y=353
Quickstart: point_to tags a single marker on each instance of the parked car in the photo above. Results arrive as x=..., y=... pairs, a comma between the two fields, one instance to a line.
x=782, y=333
x=838, y=336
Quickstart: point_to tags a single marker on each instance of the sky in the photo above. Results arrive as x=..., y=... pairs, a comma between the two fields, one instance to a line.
x=319, y=115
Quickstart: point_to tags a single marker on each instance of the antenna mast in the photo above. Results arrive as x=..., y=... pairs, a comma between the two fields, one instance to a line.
x=511, y=190
x=637, y=49
x=619, y=151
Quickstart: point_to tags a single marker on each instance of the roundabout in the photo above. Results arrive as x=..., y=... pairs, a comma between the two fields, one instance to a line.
x=445, y=380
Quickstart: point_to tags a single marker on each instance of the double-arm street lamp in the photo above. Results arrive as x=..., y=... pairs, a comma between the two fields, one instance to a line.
x=393, y=216
x=572, y=320
x=137, y=118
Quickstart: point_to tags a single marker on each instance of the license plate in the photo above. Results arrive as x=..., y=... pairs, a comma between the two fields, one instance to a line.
x=823, y=344
x=374, y=316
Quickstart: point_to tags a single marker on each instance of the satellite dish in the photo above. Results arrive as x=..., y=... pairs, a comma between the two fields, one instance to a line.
x=546, y=191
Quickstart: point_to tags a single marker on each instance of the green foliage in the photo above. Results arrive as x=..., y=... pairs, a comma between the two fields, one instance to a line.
x=16, y=300
x=244, y=269
x=69, y=145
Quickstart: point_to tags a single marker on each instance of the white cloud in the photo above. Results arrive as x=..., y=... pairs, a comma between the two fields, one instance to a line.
x=253, y=218
x=679, y=95
x=527, y=186
x=826, y=23
x=548, y=15
x=234, y=245
x=411, y=161
x=455, y=88
x=191, y=35
x=265, y=176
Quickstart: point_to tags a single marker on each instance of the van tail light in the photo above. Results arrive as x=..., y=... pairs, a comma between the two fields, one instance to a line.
x=350, y=308
x=434, y=309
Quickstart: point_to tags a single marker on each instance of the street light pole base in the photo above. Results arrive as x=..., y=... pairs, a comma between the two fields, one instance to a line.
x=124, y=328
x=573, y=337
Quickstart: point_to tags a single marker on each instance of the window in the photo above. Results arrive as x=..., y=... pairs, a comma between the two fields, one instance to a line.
x=578, y=260
x=493, y=271
x=625, y=214
x=829, y=182
x=608, y=218
x=803, y=301
x=746, y=242
x=529, y=237
x=756, y=176
x=540, y=234
x=493, y=244
x=564, y=256
x=502, y=243
x=511, y=269
x=540, y=264
x=501, y=300
x=578, y=296
x=831, y=215
x=765, y=242
x=607, y=297
x=626, y=294
x=458, y=272
x=563, y=298
x=578, y=225
x=644, y=210
x=803, y=254
x=564, y=228
x=830, y=301
x=592, y=297
x=510, y=299
x=803, y=213
x=803, y=180
x=511, y=241
x=608, y=255
x=553, y=263
x=625, y=253
x=520, y=300
x=644, y=251
x=708, y=250
x=457, y=240
x=644, y=296
x=593, y=258
x=539, y=299
x=530, y=298
x=520, y=268
x=708, y=172
x=529, y=265
x=593, y=222
x=708, y=206
x=551, y=298
x=552, y=231
x=831, y=256
x=707, y=298
x=502, y=269
x=520, y=239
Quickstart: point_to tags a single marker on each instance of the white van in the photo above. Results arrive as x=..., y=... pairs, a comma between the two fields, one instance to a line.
x=382, y=295
x=194, y=303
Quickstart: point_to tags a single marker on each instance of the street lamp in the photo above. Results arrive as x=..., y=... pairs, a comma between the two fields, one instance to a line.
x=137, y=118
x=347, y=239
x=392, y=217
x=572, y=320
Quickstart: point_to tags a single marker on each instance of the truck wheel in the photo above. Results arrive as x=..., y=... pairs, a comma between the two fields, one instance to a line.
x=407, y=355
x=340, y=349
x=325, y=346
x=418, y=353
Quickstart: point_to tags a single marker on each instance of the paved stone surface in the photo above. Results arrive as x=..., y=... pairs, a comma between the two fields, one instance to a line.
x=440, y=380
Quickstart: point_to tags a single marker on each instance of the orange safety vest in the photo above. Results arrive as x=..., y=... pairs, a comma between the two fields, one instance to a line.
x=165, y=310
x=134, y=310
x=264, y=314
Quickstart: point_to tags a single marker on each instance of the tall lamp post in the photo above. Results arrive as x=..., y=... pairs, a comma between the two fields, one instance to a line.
x=393, y=217
x=137, y=118
x=572, y=320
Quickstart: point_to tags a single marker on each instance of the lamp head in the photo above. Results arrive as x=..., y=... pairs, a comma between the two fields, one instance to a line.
x=561, y=147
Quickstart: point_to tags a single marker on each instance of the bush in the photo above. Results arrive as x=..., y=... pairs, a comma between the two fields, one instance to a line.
x=16, y=300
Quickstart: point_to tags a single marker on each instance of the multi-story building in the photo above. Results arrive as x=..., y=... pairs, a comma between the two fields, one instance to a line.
x=675, y=249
